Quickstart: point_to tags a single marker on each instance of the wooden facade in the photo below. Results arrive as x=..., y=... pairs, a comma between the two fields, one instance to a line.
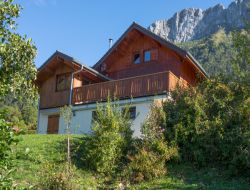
x=49, y=96
x=119, y=63
x=159, y=67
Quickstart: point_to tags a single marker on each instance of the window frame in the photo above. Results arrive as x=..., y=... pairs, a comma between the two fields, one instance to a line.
x=94, y=116
x=133, y=58
x=144, y=53
x=66, y=87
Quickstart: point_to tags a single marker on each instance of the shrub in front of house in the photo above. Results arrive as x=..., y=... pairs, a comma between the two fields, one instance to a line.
x=210, y=125
x=106, y=148
x=116, y=157
x=147, y=160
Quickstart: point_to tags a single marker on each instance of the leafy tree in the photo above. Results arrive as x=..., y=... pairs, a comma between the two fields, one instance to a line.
x=27, y=107
x=241, y=63
x=210, y=125
x=17, y=69
x=17, y=53
x=107, y=147
x=67, y=114
x=17, y=73
x=12, y=115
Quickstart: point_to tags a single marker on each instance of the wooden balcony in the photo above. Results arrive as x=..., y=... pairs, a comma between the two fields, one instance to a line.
x=146, y=85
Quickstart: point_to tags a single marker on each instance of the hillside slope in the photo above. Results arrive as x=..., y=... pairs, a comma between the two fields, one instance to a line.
x=33, y=151
x=215, y=53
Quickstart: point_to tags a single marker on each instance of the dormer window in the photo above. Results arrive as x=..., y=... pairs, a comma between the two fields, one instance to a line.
x=147, y=56
x=136, y=58
x=150, y=55
x=63, y=82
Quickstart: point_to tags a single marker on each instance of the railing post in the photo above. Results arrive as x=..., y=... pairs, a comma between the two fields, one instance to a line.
x=168, y=81
x=101, y=92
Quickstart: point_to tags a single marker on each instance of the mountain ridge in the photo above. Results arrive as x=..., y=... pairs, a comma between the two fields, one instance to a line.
x=194, y=23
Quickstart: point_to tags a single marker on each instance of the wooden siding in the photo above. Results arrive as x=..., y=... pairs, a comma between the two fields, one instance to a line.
x=152, y=84
x=77, y=82
x=49, y=98
x=129, y=80
x=119, y=63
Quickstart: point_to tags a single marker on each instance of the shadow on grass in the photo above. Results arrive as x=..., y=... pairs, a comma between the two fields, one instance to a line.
x=187, y=177
x=78, y=148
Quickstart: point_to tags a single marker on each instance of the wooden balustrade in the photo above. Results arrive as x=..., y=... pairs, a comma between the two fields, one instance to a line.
x=152, y=84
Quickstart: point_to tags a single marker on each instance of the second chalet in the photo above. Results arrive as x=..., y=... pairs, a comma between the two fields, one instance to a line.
x=140, y=68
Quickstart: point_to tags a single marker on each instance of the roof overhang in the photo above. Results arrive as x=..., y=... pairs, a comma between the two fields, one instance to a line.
x=48, y=68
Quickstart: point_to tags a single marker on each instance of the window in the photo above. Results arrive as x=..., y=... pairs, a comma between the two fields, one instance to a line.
x=94, y=115
x=63, y=82
x=136, y=58
x=131, y=112
x=147, y=56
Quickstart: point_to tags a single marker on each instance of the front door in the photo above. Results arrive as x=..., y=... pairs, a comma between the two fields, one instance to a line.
x=53, y=124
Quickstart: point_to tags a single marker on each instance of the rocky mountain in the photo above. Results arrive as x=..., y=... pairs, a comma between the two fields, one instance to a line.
x=193, y=24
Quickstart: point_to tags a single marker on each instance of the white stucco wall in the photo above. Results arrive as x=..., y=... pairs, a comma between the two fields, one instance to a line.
x=82, y=119
x=42, y=125
x=142, y=111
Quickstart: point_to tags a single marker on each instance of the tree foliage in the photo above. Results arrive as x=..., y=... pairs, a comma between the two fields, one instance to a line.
x=110, y=140
x=7, y=139
x=147, y=159
x=17, y=69
x=214, y=53
x=210, y=123
x=241, y=63
x=17, y=73
x=17, y=53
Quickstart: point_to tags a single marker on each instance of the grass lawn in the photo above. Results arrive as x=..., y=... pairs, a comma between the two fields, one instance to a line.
x=33, y=150
x=186, y=177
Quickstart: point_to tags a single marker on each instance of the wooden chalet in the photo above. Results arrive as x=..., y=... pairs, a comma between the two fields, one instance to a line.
x=140, y=64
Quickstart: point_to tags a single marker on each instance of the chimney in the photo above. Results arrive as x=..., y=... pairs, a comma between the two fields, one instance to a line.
x=110, y=42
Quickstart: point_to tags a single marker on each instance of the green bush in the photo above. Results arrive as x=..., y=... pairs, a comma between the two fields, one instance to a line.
x=145, y=165
x=63, y=177
x=107, y=146
x=23, y=117
x=210, y=125
x=150, y=153
x=13, y=115
x=7, y=139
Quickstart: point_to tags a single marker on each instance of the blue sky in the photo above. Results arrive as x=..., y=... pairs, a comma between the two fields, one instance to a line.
x=81, y=28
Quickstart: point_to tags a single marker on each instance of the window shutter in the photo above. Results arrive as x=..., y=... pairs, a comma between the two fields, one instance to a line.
x=154, y=54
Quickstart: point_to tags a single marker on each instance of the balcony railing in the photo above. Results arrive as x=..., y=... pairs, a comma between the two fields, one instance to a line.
x=152, y=84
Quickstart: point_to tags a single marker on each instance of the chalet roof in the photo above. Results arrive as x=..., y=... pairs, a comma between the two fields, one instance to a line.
x=78, y=65
x=159, y=39
x=59, y=54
